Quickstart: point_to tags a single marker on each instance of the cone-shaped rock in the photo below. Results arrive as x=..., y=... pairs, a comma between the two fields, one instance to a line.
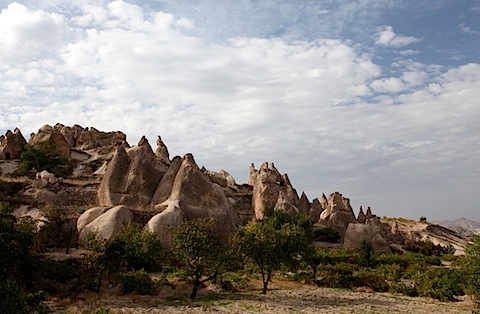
x=338, y=214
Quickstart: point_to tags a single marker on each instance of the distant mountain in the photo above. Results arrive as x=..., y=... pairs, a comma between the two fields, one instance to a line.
x=462, y=226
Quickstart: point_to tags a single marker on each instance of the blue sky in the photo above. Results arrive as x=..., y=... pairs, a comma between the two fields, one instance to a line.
x=377, y=99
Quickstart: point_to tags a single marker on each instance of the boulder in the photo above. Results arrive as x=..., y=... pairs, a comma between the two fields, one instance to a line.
x=338, y=214
x=370, y=232
x=12, y=145
x=165, y=223
x=88, y=216
x=107, y=225
x=48, y=197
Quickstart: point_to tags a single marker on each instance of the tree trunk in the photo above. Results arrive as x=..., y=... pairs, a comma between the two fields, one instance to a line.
x=196, y=286
x=265, y=283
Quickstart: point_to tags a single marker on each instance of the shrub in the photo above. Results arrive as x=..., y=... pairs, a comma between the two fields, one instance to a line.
x=327, y=235
x=366, y=277
x=44, y=156
x=470, y=268
x=137, y=281
x=234, y=281
x=428, y=248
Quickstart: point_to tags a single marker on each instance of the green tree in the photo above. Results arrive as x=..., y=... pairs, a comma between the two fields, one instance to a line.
x=44, y=156
x=199, y=248
x=17, y=264
x=267, y=245
x=470, y=266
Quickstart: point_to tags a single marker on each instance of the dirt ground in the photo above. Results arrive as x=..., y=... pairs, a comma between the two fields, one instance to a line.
x=283, y=297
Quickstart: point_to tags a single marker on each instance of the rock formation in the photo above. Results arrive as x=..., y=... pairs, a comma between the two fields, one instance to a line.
x=338, y=213
x=193, y=196
x=304, y=204
x=107, y=225
x=131, y=177
x=372, y=232
x=49, y=134
x=361, y=216
x=12, y=145
x=162, y=151
x=268, y=187
x=315, y=210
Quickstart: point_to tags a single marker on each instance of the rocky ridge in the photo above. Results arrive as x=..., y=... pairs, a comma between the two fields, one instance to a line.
x=139, y=184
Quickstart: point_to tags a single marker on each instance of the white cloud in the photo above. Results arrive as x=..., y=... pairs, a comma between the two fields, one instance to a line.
x=26, y=33
x=322, y=110
x=387, y=37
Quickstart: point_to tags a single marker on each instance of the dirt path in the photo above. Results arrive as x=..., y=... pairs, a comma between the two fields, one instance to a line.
x=284, y=297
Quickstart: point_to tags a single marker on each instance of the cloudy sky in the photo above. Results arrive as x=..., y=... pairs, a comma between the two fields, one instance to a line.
x=377, y=99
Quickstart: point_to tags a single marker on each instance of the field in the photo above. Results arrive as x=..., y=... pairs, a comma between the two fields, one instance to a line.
x=284, y=297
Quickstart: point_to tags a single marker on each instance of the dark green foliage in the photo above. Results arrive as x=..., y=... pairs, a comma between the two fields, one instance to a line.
x=423, y=219
x=470, y=266
x=137, y=281
x=15, y=300
x=428, y=248
x=439, y=283
x=198, y=247
x=17, y=265
x=134, y=248
x=366, y=250
x=234, y=281
x=44, y=156
x=141, y=248
x=327, y=235
x=279, y=239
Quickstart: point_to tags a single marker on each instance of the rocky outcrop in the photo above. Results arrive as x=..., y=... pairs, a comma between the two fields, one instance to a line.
x=315, y=210
x=162, y=151
x=49, y=134
x=90, y=138
x=164, y=188
x=361, y=218
x=165, y=223
x=270, y=188
x=107, y=225
x=338, y=214
x=372, y=232
x=12, y=145
x=88, y=216
x=131, y=177
x=304, y=204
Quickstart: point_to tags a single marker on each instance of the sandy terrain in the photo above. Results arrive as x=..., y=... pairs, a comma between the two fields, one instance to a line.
x=284, y=297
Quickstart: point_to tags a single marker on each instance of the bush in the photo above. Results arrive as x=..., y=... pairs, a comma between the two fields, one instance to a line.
x=234, y=281
x=366, y=277
x=44, y=156
x=327, y=235
x=428, y=248
x=15, y=300
x=137, y=281
x=439, y=283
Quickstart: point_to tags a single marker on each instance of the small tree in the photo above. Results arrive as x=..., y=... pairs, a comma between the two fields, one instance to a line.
x=44, y=156
x=267, y=247
x=197, y=246
x=471, y=268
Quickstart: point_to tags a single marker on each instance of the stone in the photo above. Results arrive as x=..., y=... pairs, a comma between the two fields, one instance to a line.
x=164, y=188
x=198, y=198
x=48, y=197
x=165, y=223
x=131, y=177
x=338, y=214
x=162, y=151
x=316, y=210
x=304, y=205
x=368, y=214
x=267, y=184
x=12, y=145
x=230, y=179
x=107, y=225
x=88, y=216
x=285, y=204
x=48, y=134
x=361, y=218
x=372, y=232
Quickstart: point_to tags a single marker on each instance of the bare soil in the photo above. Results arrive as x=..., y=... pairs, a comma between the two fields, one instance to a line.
x=283, y=297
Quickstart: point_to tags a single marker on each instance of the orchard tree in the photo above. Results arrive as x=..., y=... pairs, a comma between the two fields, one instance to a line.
x=199, y=248
x=267, y=245
x=44, y=156
x=471, y=270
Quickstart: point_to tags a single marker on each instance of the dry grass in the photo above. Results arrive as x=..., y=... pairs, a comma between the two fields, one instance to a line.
x=283, y=297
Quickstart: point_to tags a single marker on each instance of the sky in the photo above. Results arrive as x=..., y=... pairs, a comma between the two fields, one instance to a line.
x=376, y=99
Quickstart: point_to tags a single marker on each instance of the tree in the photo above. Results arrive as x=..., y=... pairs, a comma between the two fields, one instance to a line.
x=17, y=264
x=199, y=248
x=471, y=268
x=44, y=156
x=268, y=245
